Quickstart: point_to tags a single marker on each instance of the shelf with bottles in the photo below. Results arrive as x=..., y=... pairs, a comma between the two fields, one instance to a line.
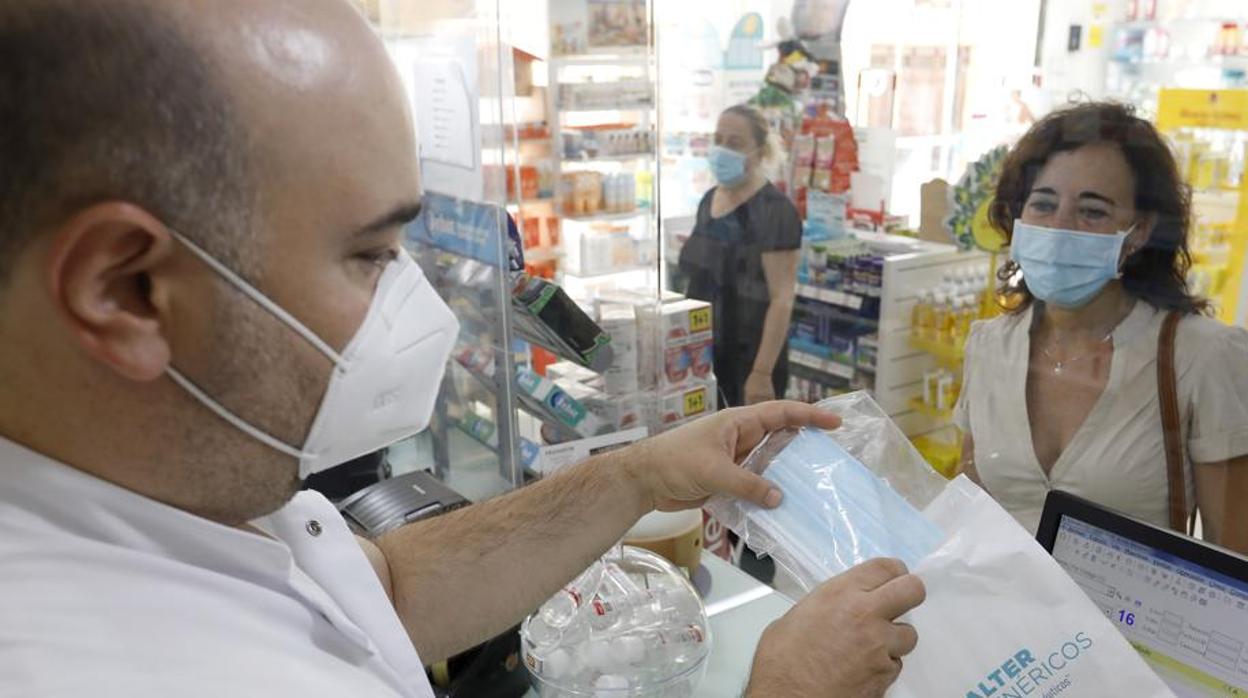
x=537, y=182
x=616, y=142
x=1181, y=44
x=617, y=95
x=588, y=195
x=941, y=388
x=942, y=316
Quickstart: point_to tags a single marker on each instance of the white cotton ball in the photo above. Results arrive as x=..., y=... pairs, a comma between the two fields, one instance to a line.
x=599, y=655
x=608, y=685
x=559, y=664
x=630, y=649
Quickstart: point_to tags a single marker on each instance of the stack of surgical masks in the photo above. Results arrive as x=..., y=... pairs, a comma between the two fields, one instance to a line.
x=630, y=625
x=838, y=512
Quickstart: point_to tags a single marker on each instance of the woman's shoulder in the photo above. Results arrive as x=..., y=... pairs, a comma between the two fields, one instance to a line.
x=1212, y=342
x=771, y=196
x=999, y=329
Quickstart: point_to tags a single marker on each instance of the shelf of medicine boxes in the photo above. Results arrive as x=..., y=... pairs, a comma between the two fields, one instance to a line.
x=529, y=404
x=851, y=301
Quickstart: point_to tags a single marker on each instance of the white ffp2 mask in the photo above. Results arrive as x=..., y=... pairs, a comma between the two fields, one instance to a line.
x=384, y=383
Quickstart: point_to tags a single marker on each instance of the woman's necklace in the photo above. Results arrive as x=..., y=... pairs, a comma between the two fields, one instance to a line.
x=1059, y=365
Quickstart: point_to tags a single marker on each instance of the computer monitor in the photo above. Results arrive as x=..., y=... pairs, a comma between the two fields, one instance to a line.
x=1182, y=603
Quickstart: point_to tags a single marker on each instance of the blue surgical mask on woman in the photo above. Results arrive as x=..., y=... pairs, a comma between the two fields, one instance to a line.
x=1066, y=267
x=727, y=165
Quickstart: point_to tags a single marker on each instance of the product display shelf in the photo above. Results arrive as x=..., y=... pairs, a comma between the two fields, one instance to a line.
x=1197, y=121
x=595, y=159
x=633, y=104
x=851, y=301
x=608, y=216
x=910, y=266
x=828, y=367
x=918, y=405
x=945, y=457
x=947, y=353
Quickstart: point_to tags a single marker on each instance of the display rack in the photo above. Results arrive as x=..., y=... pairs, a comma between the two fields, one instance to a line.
x=1210, y=131
x=602, y=115
x=895, y=377
x=1152, y=51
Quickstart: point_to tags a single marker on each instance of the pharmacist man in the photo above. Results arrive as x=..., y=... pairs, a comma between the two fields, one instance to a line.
x=195, y=198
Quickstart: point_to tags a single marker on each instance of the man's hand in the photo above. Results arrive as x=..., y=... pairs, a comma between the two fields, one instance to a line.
x=682, y=468
x=840, y=641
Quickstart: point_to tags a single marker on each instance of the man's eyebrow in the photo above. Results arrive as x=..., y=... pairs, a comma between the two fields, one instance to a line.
x=401, y=215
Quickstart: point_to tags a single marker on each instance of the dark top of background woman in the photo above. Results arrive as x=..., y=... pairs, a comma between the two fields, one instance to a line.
x=723, y=261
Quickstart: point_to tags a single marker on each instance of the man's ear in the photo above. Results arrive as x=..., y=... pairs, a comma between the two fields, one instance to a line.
x=99, y=274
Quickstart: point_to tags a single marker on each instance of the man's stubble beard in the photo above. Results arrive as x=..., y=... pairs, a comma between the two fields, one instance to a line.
x=268, y=375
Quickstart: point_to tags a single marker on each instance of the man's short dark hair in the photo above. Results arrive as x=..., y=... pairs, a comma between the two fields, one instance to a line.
x=109, y=100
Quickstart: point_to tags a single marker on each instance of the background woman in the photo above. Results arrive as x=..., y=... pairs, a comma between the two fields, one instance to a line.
x=742, y=258
x=1062, y=393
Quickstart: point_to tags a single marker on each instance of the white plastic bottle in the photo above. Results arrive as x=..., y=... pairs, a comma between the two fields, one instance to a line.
x=559, y=611
x=642, y=606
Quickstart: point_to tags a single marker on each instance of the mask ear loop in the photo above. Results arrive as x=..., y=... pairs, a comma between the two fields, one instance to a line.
x=260, y=299
x=233, y=419
x=1129, y=250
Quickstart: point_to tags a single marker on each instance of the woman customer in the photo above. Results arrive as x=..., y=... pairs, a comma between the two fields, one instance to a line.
x=742, y=258
x=1062, y=391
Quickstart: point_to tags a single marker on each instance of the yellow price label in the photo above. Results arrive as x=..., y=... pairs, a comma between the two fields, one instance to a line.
x=700, y=320
x=695, y=402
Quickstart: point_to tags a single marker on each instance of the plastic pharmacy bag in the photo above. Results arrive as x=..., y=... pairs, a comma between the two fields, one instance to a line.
x=849, y=496
x=1001, y=619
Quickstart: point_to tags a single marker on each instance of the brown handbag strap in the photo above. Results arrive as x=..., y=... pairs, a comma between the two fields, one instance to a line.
x=1168, y=398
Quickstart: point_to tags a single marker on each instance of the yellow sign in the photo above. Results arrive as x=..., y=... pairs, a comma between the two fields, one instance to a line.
x=695, y=402
x=1096, y=36
x=986, y=235
x=699, y=320
x=1224, y=109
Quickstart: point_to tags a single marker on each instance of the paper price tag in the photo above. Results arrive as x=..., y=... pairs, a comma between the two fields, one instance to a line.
x=699, y=320
x=695, y=402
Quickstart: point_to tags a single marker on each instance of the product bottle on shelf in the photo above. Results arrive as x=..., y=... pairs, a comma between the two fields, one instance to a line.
x=943, y=316
x=921, y=316
x=966, y=315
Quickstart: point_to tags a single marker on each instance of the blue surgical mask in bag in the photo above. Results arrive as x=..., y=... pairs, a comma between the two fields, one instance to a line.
x=836, y=513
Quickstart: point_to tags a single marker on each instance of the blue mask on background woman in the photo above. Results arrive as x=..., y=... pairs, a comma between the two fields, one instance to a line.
x=727, y=165
x=1066, y=267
